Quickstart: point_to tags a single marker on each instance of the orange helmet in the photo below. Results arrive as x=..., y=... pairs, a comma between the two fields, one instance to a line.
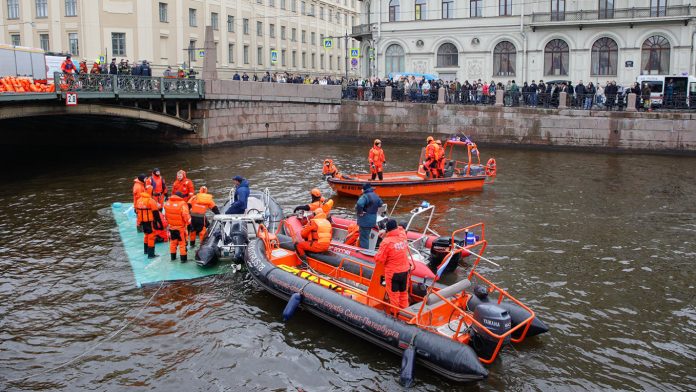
x=429, y=139
x=377, y=141
x=315, y=192
x=204, y=189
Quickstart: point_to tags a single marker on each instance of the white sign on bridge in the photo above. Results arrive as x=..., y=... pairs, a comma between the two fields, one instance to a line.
x=70, y=99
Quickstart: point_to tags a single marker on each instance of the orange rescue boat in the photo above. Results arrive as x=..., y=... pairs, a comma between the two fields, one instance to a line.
x=469, y=175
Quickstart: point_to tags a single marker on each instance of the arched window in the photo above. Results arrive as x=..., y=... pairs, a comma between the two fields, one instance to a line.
x=605, y=55
x=393, y=10
x=420, y=10
x=504, y=59
x=447, y=56
x=394, y=59
x=556, y=54
x=655, y=55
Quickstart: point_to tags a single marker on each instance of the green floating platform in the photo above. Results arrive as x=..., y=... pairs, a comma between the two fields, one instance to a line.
x=148, y=271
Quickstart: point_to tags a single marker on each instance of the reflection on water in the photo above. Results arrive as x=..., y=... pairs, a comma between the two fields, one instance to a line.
x=601, y=246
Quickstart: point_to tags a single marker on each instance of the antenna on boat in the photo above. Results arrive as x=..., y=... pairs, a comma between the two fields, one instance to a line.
x=477, y=255
x=394, y=206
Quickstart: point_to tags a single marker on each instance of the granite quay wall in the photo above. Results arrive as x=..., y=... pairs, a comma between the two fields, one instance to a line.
x=253, y=111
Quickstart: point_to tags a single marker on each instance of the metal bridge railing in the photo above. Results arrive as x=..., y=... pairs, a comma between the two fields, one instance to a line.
x=112, y=86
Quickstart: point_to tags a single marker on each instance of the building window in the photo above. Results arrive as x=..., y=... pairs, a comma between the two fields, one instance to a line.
x=658, y=7
x=282, y=57
x=245, y=26
x=259, y=29
x=313, y=38
x=475, y=8
x=313, y=60
x=192, y=17
x=394, y=59
x=259, y=55
x=12, y=9
x=393, y=10
x=70, y=7
x=558, y=9
x=271, y=3
x=293, y=35
x=311, y=10
x=246, y=54
x=303, y=7
x=655, y=55
x=338, y=63
x=447, y=55
x=271, y=30
x=304, y=36
x=321, y=61
x=605, y=54
x=505, y=7
x=330, y=62
x=282, y=4
x=293, y=5
x=118, y=44
x=192, y=51
x=556, y=54
x=163, y=12
x=41, y=8
x=283, y=32
x=16, y=39
x=304, y=59
x=606, y=9
x=73, y=44
x=214, y=21
x=504, y=59
x=420, y=10
x=230, y=53
x=447, y=9
x=44, y=42
x=321, y=13
x=230, y=23
x=294, y=58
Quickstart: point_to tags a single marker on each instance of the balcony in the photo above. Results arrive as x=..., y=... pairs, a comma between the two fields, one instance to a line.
x=363, y=31
x=613, y=16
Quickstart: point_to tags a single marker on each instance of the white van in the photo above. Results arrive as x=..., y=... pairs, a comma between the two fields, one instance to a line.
x=684, y=88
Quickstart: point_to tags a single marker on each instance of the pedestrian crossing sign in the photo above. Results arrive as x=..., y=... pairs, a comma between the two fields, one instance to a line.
x=354, y=53
x=274, y=56
x=201, y=53
x=328, y=43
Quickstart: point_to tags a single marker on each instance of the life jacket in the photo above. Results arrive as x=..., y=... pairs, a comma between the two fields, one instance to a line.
x=430, y=151
x=326, y=206
x=439, y=152
x=353, y=236
x=329, y=168
x=138, y=188
x=377, y=156
x=144, y=207
x=67, y=66
x=201, y=203
x=322, y=235
x=158, y=185
x=176, y=211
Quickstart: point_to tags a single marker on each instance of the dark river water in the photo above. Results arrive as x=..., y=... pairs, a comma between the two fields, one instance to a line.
x=601, y=246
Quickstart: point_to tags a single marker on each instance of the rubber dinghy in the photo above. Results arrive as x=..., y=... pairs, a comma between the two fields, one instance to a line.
x=446, y=329
x=229, y=234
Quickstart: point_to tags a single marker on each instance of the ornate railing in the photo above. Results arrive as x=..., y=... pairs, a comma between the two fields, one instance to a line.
x=98, y=85
x=363, y=29
x=617, y=13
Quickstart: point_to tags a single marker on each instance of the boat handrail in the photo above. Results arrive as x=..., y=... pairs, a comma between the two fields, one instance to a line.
x=238, y=217
x=421, y=210
x=469, y=228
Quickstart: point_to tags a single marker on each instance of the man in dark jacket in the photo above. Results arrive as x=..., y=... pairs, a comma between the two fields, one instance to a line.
x=366, y=211
x=241, y=195
x=113, y=68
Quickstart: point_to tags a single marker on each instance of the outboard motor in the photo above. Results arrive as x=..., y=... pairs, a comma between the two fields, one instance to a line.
x=209, y=253
x=497, y=320
x=239, y=236
x=439, y=250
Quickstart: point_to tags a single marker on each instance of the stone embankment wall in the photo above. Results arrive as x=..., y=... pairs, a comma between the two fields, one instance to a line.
x=251, y=111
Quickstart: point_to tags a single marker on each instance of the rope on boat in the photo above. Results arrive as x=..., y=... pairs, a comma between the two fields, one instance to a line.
x=113, y=335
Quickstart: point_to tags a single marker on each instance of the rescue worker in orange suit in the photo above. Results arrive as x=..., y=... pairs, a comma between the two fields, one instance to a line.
x=183, y=185
x=329, y=169
x=317, y=234
x=148, y=217
x=353, y=235
x=440, y=158
x=393, y=253
x=431, y=154
x=159, y=186
x=377, y=160
x=177, y=212
x=318, y=201
x=67, y=66
x=138, y=187
x=200, y=203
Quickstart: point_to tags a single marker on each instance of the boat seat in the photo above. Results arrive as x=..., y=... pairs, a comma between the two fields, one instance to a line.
x=432, y=300
x=256, y=205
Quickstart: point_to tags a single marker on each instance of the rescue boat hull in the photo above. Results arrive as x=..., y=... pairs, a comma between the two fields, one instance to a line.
x=406, y=184
x=441, y=355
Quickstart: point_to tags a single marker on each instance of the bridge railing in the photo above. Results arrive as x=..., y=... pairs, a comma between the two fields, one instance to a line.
x=128, y=86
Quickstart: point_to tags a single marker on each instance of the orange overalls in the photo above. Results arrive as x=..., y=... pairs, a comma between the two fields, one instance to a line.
x=159, y=188
x=377, y=159
x=200, y=203
x=177, y=213
x=184, y=186
x=138, y=188
x=393, y=253
x=431, y=154
x=146, y=209
x=329, y=169
x=317, y=233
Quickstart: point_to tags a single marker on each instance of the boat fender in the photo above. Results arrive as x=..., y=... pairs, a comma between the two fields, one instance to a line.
x=292, y=305
x=116, y=204
x=408, y=362
x=481, y=292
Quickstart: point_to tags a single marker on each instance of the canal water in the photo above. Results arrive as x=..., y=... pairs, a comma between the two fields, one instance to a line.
x=602, y=246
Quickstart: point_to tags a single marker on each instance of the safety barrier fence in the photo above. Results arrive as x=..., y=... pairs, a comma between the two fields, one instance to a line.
x=128, y=86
